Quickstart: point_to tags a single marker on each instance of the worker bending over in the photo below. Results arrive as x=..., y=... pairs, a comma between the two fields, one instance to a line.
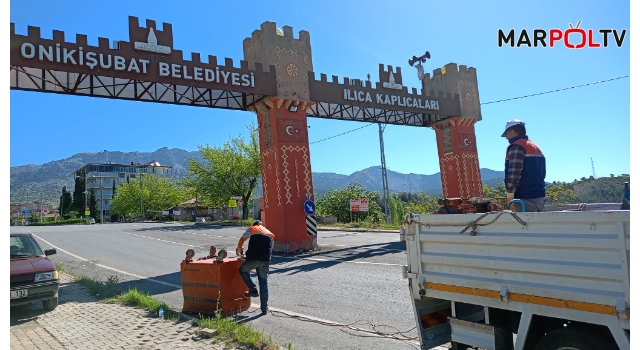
x=258, y=257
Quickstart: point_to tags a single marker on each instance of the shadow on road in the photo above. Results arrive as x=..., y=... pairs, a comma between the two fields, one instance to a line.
x=193, y=227
x=353, y=253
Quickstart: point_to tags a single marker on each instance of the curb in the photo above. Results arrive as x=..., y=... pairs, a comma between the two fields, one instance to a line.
x=328, y=228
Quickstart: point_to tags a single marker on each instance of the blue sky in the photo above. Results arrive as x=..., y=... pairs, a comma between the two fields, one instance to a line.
x=350, y=38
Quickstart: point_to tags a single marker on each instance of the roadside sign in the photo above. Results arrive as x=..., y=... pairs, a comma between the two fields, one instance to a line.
x=87, y=212
x=359, y=204
x=233, y=203
x=236, y=197
x=240, y=202
x=309, y=207
x=26, y=212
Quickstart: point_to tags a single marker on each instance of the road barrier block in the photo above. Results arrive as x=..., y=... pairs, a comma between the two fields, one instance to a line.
x=208, y=286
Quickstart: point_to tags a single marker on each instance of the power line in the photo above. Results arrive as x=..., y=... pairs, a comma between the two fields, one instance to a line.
x=486, y=103
x=557, y=90
x=346, y=132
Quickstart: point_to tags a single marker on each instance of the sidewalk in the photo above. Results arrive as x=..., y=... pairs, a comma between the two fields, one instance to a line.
x=80, y=322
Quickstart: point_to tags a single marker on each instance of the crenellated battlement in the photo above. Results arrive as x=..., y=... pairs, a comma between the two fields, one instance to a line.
x=149, y=56
x=358, y=84
x=125, y=48
x=461, y=80
x=385, y=74
x=291, y=58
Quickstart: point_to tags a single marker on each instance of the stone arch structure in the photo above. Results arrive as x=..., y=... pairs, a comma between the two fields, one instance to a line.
x=276, y=81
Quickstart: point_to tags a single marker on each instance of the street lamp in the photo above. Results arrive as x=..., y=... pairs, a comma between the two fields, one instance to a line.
x=101, y=198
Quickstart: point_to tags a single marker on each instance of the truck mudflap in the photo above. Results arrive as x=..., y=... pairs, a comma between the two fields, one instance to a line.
x=484, y=336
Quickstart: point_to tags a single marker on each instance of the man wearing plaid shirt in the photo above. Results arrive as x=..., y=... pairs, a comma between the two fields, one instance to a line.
x=524, y=169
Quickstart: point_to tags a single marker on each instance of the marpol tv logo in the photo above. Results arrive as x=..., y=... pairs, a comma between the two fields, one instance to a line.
x=571, y=38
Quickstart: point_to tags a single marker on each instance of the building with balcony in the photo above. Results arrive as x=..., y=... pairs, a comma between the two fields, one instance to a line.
x=102, y=177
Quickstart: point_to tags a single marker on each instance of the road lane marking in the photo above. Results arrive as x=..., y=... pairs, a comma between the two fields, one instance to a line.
x=358, y=247
x=177, y=286
x=336, y=260
x=162, y=240
x=111, y=268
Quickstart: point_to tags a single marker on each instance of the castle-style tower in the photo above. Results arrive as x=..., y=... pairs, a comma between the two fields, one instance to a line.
x=284, y=142
x=459, y=167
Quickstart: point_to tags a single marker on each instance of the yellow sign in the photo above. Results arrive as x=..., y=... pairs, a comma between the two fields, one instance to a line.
x=233, y=203
x=87, y=212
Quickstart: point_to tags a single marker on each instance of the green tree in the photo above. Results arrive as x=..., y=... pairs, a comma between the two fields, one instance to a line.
x=93, y=205
x=560, y=193
x=337, y=203
x=157, y=192
x=114, y=216
x=65, y=203
x=396, y=206
x=34, y=217
x=421, y=203
x=230, y=170
x=500, y=191
x=78, y=195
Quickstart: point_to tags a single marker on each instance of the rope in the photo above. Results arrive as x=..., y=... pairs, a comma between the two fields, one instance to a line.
x=472, y=225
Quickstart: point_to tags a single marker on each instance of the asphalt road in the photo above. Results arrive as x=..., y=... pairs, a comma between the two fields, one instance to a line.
x=353, y=278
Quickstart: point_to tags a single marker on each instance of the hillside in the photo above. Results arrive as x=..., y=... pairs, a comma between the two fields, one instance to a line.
x=600, y=190
x=28, y=182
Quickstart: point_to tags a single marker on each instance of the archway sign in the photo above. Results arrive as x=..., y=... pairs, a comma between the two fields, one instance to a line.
x=277, y=82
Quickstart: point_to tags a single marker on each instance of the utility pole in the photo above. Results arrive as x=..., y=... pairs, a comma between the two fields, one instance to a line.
x=593, y=169
x=40, y=206
x=141, y=202
x=385, y=182
x=101, y=204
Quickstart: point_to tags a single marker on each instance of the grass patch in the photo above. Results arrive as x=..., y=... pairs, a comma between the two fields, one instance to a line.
x=61, y=269
x=144, y=301
x=240, y=333
x=247, y=222
x=101, y=289
x=228, y=328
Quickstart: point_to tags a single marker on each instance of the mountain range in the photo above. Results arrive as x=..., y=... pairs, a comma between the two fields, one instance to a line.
x=32, y=182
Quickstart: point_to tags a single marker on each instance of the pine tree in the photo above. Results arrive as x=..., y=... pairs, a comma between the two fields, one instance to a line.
x=93, y=205
x=65, y=203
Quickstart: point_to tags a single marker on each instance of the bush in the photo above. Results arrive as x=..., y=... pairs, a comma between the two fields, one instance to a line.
x=62, y=222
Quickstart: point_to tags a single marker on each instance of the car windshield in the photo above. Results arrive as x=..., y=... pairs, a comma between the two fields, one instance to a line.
x=24, y=246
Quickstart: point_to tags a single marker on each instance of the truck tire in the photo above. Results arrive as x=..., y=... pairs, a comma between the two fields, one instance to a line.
x=573, y=339
x=50, y=304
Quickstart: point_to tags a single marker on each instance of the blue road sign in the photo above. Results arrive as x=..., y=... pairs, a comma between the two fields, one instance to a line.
x=25, y=212
x=309, y=207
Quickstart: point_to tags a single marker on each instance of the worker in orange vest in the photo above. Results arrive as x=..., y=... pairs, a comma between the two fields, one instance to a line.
x=258, y=257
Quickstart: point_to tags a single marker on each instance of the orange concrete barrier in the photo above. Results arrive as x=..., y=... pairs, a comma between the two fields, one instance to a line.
x=208, y=286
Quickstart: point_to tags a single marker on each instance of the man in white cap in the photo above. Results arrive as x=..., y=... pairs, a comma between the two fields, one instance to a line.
x=525, y=168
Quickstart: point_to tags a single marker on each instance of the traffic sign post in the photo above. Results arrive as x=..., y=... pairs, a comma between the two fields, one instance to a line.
x=312, y=227
x=309, y=207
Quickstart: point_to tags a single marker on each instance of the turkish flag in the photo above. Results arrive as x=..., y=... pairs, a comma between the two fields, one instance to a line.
x=292, y=130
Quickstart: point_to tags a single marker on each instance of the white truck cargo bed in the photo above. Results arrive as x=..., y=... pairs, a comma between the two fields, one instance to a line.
x=557, y=265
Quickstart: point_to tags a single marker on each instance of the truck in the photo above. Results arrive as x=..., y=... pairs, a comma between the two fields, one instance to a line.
x=520, y=280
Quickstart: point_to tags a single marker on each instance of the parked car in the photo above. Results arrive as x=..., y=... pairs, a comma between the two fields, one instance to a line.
x=92, y=221
x=33, y=275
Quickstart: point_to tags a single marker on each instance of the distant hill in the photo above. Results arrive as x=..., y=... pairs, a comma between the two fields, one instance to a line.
x=371, y=179
x=600, y=190
x=29, y=181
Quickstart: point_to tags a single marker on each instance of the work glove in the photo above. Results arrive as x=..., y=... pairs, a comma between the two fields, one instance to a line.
x=510, y=197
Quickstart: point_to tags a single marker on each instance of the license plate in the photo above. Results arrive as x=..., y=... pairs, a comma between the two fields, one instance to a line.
x=22, y=293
